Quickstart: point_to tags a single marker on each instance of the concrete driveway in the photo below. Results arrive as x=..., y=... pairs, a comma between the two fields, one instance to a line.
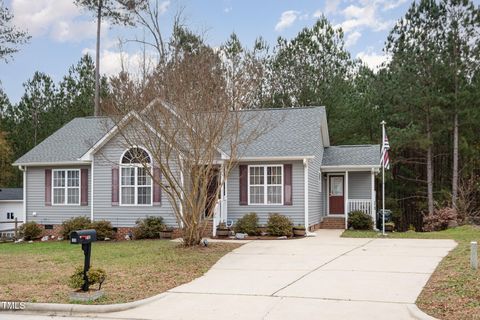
x=323, y=277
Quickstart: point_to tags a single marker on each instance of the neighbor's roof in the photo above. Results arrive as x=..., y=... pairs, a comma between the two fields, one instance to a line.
x=290, y=132
x=354, y=155
x=11, y=194
x=68, y=143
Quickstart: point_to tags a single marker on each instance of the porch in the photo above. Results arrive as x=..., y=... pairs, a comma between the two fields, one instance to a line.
x=346, y=191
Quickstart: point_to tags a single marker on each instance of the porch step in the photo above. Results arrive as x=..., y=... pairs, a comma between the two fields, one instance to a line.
x=333, y=223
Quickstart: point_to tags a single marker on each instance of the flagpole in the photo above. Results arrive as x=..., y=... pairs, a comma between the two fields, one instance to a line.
x=383, y=178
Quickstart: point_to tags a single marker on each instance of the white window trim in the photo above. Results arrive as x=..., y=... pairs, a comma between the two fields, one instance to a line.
x=66, y=187
x=265, y=185
x=135, y=186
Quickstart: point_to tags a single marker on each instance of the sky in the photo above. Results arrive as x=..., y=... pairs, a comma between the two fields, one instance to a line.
x=62, y=33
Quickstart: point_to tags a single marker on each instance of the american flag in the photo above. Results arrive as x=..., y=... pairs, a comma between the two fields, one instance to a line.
x=385, y=160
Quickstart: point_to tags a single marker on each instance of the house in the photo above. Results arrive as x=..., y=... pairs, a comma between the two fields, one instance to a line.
x=11, y=208
x=291, y=169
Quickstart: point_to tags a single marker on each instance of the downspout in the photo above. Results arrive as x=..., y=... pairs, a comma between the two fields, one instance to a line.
x=24, y=170
x=92, y=167
x=305, y=179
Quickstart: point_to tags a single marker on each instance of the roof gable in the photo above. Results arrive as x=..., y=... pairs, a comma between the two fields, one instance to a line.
x=69, y=143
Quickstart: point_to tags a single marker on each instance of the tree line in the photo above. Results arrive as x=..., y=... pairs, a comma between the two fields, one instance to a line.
x=427, y=92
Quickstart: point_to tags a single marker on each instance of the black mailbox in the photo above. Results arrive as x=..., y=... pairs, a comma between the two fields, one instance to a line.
x=83, y=236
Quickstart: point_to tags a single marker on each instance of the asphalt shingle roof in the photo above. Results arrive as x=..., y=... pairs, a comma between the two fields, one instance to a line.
x=11, y=194
x=69, y=142
x=351, y=155
x=289, y=132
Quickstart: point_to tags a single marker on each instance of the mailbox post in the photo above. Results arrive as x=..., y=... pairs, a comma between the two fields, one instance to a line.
x=85, y=238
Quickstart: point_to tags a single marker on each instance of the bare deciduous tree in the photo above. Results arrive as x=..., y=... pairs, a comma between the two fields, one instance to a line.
x=189, y=127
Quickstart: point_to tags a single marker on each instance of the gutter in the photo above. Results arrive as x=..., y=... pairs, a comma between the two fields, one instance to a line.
x=274, y=158
x=376, y=168
x=305, y=179
x=51, y=164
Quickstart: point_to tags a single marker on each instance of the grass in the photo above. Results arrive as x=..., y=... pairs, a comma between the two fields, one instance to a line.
x=38, y=272
x=453, y=291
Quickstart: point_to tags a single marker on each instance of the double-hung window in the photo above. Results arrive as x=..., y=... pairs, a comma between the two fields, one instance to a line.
x=66, y=187
x=135, y=180
x=265, y=184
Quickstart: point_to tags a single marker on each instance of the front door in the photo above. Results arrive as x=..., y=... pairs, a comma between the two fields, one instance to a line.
x=336, y=199
x=212, y=193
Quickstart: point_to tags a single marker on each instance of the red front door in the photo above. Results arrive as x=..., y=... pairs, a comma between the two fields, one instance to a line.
x=336, y=199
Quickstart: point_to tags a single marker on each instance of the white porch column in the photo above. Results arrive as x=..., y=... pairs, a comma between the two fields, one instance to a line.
x=372, y=206
x=346, y=199
x=92, y=168
x=24, y=194
x=225, y=196
x=223, y=207
x=305, y=179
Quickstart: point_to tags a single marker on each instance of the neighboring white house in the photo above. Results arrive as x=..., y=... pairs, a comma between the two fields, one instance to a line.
x=11, y=207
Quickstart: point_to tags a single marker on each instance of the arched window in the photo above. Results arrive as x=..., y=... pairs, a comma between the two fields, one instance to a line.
x=136, y=155
x=135, y=179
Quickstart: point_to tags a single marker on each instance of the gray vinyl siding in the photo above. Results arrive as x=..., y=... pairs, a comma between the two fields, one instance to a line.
x=121, y=216
x=54, y=214
x=315, y=199
x=359, y=185
x=296, y=211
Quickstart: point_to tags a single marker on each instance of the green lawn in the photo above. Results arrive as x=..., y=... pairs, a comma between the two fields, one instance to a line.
x=38, y=272
x=453, y=291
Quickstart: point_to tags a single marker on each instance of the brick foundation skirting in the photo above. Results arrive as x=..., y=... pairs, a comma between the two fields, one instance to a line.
x=56, y=231
x=121, y=232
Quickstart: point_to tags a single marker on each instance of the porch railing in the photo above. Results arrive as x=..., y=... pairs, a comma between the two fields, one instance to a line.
x=364, y=205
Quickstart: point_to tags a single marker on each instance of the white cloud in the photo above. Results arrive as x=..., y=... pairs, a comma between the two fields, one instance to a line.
x=227, y=9
x=352, y=38
x=163, y=7
x=286, y=19
x=389, y=5
x=372, y=59
x=357, y=17
x=318, y=14
x=61, y=20
x=331, y=6
x=112, y=62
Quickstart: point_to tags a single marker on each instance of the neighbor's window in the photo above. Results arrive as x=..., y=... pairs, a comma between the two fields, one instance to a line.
x=135, y=181
x=66, y=186
x=265, y=184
